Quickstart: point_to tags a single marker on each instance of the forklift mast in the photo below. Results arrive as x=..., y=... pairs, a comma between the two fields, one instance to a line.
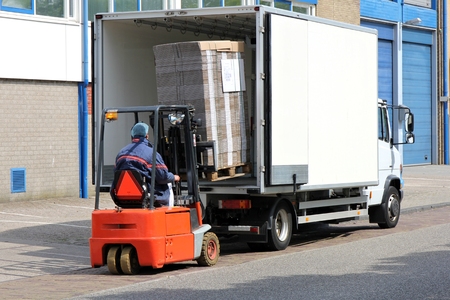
x=174, y=130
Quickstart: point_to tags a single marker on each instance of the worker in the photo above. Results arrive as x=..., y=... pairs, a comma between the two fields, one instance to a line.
x=138, y=155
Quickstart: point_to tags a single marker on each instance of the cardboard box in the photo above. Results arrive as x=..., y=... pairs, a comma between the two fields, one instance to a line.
x=191, y=73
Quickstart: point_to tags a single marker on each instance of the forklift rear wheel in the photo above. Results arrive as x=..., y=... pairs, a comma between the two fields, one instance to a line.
x=129, y=262
x=210, y=250
x=113, y=260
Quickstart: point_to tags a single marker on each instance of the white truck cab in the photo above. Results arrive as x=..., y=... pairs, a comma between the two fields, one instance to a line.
x=385, y=198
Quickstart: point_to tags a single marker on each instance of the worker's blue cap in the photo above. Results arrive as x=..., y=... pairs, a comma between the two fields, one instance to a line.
x=139, y=130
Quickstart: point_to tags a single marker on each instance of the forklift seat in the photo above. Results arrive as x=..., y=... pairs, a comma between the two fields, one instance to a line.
x=130, y=189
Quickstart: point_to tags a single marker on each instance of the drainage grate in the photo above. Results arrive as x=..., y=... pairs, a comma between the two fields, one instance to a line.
x=18, y=182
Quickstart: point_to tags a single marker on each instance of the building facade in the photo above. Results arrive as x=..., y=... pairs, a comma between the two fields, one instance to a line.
x=44, y=76
x=40, y=74
x=407, y=68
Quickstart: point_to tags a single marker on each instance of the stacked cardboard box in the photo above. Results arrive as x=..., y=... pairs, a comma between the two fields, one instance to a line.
x=210, y=76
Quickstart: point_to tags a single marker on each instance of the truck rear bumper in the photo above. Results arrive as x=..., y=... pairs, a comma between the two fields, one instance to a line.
x=246, y=233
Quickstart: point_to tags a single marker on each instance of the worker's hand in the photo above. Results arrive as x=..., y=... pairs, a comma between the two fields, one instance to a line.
x=176, y=178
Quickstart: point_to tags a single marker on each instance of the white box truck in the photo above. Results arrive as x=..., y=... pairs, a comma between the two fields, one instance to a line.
x=320, y=145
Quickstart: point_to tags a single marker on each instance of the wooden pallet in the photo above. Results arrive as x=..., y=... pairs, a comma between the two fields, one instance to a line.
x=229, y=172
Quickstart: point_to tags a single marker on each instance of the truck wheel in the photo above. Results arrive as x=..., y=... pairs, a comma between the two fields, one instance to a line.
x=129, y=262
x=281, y=232
x=210, y=250
x=113, y=260
x=390, y=208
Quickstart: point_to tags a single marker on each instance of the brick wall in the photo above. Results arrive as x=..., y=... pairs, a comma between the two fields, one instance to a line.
x=339, y=10
x=39, y=132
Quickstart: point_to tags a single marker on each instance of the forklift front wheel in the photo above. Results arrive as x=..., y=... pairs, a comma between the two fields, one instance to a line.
x=210, y=250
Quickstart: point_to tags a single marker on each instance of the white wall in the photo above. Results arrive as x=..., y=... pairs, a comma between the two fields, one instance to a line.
x=39, y=50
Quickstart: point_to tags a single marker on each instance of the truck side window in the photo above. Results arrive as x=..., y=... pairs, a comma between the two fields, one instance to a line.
x=383, y=129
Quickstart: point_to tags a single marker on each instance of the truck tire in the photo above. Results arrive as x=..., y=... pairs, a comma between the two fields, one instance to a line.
x=281, y=232
x=390, y=207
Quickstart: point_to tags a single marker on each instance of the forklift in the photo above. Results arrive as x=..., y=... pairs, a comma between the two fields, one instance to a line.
x=137, y=232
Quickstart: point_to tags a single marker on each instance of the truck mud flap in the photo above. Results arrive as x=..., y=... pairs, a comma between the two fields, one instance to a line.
x=244, y=233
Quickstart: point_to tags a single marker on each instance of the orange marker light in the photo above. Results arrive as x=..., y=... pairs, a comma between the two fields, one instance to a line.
x=111, y=115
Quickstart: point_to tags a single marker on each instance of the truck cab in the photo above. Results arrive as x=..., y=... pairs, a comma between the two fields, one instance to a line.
x=385, y=198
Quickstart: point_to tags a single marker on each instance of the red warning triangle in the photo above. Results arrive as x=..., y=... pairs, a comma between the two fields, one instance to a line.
x=128, y=187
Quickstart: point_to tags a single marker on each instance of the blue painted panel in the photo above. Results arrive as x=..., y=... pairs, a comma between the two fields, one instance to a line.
x=383, y=10
x=417, y=96
x=306, y=1
x=385, y=59
x=417, y=36
x=427, y=15
x=385, y=72
x=385, y=31
x=18, y=180
x=396, y=12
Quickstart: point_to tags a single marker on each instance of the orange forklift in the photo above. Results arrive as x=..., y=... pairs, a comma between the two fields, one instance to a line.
x=136, y=233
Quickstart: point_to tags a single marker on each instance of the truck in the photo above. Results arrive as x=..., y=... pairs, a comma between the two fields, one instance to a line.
x=314, y=141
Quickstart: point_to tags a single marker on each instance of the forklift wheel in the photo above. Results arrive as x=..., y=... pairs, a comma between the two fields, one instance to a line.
x=210, y=250
x=129, y=261
x=113, y=260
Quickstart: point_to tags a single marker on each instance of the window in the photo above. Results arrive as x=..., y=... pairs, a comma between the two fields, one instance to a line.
x=97, y=6
x=212, y=3
x=290, y=5
x=50, y=8
x=286, y=5
x=302, y=10
x=189, y=4
x=233, y=2
x=19, y=6
x=154, y=5
x=100, y=6
x=383, y=127
x=126, y=5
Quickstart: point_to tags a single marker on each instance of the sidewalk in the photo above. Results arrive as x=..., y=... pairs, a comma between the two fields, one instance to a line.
x=426, y=187
x=51, y=236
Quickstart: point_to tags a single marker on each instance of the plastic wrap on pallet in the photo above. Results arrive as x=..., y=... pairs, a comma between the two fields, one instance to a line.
x=197, y=73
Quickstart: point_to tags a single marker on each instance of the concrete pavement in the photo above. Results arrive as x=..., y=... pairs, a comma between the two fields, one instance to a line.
x=426, y=187
x=51, y=236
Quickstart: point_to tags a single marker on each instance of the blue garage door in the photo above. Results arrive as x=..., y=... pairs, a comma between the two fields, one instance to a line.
x=417, y=96
x=385, y=57
x=385, y=70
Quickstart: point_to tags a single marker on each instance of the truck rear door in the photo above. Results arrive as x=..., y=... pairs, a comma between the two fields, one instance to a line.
x=286, y=102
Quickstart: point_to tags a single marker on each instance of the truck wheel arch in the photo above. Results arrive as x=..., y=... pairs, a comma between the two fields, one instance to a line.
x=394, y=181
x=377, y=213
x=272, y=211
x=281, y=225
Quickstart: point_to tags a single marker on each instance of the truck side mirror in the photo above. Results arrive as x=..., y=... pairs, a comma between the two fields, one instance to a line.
x=409, y=122
x=410, y=138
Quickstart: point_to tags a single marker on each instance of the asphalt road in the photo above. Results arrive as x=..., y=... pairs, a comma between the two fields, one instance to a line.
x=44, y=253
x=403, y=265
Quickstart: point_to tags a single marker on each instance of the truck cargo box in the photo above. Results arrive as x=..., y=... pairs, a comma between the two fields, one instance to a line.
x=310, y=90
